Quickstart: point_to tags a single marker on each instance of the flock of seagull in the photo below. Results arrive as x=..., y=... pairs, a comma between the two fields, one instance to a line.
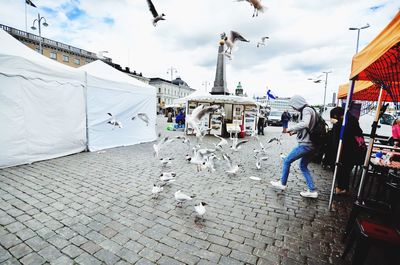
x=115, y=123
x=204, y=158
x=234, y=36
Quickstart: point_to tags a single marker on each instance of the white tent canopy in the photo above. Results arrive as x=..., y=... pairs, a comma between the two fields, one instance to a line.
x=111, y=91
x=42, y=106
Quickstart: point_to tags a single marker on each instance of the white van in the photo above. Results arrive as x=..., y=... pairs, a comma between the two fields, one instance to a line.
x=384, y=125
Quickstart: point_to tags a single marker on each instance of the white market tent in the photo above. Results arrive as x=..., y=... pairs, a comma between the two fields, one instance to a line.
x=42, y=106
x=111, y=91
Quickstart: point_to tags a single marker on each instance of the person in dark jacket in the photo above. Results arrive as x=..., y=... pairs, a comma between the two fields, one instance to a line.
x=261, y=123
x=351, y=154
x=285, y=118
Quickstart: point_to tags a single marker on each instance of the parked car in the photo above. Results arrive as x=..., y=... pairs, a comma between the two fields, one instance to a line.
x=274, y=118
x=384, y=125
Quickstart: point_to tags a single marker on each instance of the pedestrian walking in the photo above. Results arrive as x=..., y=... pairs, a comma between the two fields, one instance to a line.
x=285, y=118
x=261, y=123
x=169, y=119
x=305, y=148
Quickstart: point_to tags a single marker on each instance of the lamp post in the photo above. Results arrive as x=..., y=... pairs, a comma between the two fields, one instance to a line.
x=39, y=21
x=358, y=33
x=318, y=80
x=171, y=71
x=205, y=84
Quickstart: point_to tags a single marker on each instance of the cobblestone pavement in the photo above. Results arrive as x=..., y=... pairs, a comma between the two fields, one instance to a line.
x=96, y=208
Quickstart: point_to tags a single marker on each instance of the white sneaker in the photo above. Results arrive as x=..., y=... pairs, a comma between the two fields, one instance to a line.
x=278, y=185
x=309, y=194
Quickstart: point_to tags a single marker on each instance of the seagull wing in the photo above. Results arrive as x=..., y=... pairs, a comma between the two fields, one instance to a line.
x=264, y=38
x=228, y=160
x=109, y=114
x=152, y=8
x=206, y=110
x=236, y=36
x=241, y=142
x=219, y=137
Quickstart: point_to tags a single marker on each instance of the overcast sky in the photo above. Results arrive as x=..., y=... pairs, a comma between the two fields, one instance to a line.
x=306, y=38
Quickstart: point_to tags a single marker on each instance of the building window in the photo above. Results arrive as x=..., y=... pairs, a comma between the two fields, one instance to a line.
x=53, y=55
x=159, y=90
x=65, y=58
x=77, y=61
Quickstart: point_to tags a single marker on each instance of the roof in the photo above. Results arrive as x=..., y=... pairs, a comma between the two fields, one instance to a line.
x=371, y=60
x=366, y=91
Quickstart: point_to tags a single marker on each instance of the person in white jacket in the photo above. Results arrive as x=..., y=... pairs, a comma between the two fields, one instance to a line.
x=304, y=150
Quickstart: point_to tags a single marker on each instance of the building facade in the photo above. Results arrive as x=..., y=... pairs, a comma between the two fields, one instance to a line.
x=63, y=53
x=167, y=91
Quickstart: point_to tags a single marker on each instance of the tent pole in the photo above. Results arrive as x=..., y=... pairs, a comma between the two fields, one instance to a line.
x=370, y=144
x=340, y=146
x=86, y=113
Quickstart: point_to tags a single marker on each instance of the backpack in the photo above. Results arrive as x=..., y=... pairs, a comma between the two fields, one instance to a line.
x=319, y=132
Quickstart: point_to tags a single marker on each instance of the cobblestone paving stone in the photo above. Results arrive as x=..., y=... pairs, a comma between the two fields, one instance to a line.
x=96, y=208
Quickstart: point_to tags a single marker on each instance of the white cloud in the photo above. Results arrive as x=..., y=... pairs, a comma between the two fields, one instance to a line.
x=306, y=38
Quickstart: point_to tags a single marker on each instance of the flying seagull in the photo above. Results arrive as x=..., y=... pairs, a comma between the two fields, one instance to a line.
x=143, y=117
x=156, y=16
x=236, y=144
x=259, y=159
x=221, y=142
x=114, y=121
x=157, y=147
x=256, y=4
x=181, y=197
x=198, y=113
x=230, y=42
x=262, y=43
x=233, y=169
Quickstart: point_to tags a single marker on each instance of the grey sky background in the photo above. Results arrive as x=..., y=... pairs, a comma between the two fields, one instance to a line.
x=306, y=38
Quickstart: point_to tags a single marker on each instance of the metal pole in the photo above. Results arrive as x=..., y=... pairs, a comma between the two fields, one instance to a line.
x=26, y=19
x=358, y=39
x=371, y=143
x=326, y=82
x=340, y=146
x=40, y=35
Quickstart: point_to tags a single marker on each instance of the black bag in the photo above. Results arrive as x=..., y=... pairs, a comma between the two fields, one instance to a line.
x=319, y=132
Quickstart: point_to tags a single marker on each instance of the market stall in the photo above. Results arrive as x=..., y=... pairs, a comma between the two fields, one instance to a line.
x=239, y=112
x=378, y=63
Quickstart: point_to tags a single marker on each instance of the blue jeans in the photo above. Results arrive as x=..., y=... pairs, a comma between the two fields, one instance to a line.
x=304, y=152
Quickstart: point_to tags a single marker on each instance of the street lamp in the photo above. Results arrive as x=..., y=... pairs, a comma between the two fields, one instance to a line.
x=171, y=71
x=39, y=21
x=318, y=80
x=205, y=84
x=358, y=33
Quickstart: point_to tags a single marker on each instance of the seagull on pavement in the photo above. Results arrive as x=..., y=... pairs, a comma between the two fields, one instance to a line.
x=156, y=190
x=167, y=177
x=200, y=210
x=156, y=16
x=181, y=197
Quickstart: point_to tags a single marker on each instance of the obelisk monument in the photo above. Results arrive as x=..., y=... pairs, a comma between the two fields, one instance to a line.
x=219, y=87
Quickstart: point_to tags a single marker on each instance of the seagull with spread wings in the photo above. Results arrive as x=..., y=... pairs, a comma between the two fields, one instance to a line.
x=156, y=16
x=230, y=42
x=198, y=113
x=262, y=43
